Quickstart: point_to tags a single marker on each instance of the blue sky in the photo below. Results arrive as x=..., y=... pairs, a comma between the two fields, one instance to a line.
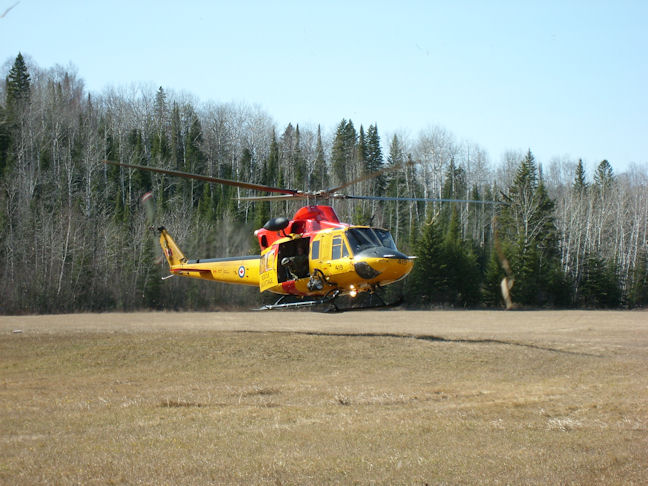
x=565, y=78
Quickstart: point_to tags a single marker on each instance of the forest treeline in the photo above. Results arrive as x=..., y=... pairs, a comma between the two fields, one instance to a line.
x=75, y=235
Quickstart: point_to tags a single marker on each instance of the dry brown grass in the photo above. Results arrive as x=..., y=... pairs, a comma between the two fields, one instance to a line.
x=186, y=404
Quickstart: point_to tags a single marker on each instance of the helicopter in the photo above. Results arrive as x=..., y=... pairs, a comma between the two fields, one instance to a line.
x=312, y=258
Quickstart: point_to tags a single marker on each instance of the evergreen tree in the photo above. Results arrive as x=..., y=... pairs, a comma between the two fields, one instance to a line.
x=604, y=176
x=343, y=152
x=600, y=286
x=454, y=187
x=396, y=186
x=160, y=143
x=361, y=152
x=374, y=159
x=529, y=236
x=18, y=95
x=17, y=87
x=638, y=295
x=319, y=178
x=493, y=275
x=299, y=163
x=580, y=183
x=462, y=275
x=427, y=281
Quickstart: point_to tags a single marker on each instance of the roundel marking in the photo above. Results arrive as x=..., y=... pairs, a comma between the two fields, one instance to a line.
x=241, y=271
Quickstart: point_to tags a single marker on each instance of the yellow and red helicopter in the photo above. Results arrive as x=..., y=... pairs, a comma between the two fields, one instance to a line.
x=313, y=256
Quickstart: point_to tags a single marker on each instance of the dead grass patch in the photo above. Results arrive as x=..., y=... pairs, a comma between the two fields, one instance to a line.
x=206, y=407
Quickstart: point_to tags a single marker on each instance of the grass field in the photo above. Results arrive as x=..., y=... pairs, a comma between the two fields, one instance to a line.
x=388, y=397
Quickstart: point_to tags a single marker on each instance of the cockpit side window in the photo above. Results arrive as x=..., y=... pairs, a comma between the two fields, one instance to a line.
x=385, y=238
x=339, y=248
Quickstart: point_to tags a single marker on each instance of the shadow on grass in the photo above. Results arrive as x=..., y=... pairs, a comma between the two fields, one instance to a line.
x=426, y=337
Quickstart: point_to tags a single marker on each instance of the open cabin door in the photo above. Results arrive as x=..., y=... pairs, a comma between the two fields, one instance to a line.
x=283, y=262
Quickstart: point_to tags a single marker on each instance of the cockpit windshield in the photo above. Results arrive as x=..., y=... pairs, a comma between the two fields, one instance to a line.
x=362, y=238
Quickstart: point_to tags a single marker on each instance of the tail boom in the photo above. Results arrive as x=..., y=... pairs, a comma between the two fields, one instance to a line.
x=242, y=270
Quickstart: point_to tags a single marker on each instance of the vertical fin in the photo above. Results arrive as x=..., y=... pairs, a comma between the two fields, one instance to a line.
x=171, y=251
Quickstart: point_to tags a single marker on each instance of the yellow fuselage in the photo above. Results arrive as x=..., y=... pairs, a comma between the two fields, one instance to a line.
x=329, y=260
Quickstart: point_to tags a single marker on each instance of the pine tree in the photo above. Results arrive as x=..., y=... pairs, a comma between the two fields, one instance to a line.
x=18, y=94
x=580, y=183
x=493, y=275
x=17, y=87
x=454, y=187
x=528, y=234
x=160, y=143
x=343, y=152
x=319, y=177
x=638, y=294
x=177, y=143
x=374, y=159
x=361, y=152
x=600, y=286
x=427, y=281
x=462, y=275
x=396, y=186
x=299, y=163
x=604, y=176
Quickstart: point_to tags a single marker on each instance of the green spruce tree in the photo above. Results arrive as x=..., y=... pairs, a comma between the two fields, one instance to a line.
x=529, y=236
x=319, y=178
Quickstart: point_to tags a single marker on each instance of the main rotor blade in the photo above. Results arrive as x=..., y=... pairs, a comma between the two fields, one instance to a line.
x=217, y=180
x=369, y=176
x=286, y=197
x=414, y=199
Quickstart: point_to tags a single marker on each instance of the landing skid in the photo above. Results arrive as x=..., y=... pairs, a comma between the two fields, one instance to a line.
x=327, y=299
x=332, y=303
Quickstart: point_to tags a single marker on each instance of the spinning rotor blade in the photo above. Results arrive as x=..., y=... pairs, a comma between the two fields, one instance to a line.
x=365, y=177
x=187, y=175
x=286, y=197
x=147, y=203
x=415, y=199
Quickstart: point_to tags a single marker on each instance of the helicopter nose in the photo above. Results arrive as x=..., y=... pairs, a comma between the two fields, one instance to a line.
x=386, y=263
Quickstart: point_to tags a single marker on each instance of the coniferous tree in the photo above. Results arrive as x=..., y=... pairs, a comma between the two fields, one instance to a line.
x=493, y=275
x=427, y=281
x=374, y=160
x=396, y=186
x=343, y=152
x=580, y=183
x=462, y=275
x=18, y=95
x=319, y=177
x=600, y=286
x=528, y=234
x=604, y=175
x=361, y=152
x=299, y=162
x=638, y=294
x=17, y=87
